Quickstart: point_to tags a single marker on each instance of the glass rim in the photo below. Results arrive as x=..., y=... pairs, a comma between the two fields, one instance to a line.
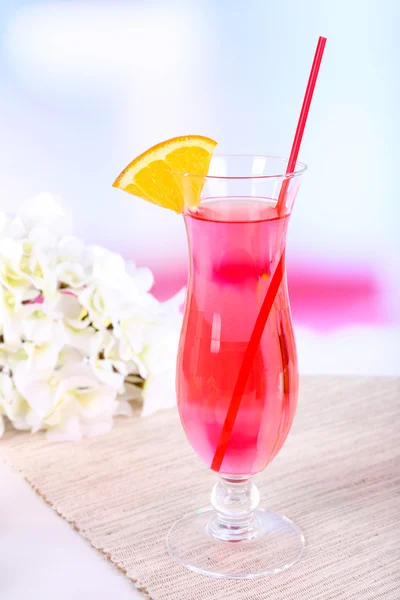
x=300, y=168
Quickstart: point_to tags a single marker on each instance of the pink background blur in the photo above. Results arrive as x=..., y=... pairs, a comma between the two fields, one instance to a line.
x=87, y=85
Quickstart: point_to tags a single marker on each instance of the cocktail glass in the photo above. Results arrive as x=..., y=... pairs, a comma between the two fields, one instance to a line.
x=237, y=243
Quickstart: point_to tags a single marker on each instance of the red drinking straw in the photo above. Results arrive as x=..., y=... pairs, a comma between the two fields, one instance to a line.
x=273, y=288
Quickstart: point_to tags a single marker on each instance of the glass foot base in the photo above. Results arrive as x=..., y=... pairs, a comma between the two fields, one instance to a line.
x=277, y=545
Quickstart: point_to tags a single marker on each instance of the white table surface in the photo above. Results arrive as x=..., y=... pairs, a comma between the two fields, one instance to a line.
x=43, y=558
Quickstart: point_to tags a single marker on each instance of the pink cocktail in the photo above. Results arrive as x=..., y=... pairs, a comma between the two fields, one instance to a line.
x=236, y=244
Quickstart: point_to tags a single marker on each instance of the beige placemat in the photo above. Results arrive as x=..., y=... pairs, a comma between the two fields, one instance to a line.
x=337, y=477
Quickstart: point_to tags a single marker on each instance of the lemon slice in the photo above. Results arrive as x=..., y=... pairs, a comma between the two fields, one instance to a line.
x=157, y=175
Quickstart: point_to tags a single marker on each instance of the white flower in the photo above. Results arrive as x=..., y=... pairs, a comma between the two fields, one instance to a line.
x=109, y=284
x=142, y=276
x=71, y=392
x=12, y=405
x=106, y=362
x=45, y=211
x=11, y=227
x=14, y=229
x=81, y=336
x=141, y=311
x=41, y=239
x=159, y=358
x=39, y=322
x=70, y=355
x=136, y=328
x=79, y=332
x=25, y=270
x=43, y=356
x=73, y=263
x=33, y=333
x=12, y=277
x=113, y=291
x=72, y=249
x=102, y=304
x=108, y=268
x=10, y=318
x=6, y=386
x=101, y=297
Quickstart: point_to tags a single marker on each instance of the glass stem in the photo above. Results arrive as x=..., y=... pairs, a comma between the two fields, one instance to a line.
x=235, y=499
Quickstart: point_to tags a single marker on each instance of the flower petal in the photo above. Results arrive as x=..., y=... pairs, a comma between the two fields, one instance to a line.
x=45, y=210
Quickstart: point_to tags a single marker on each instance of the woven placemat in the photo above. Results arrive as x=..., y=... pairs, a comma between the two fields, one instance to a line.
x=337, y=477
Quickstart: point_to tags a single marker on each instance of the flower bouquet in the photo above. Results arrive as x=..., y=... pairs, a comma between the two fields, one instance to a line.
x=81, y=336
